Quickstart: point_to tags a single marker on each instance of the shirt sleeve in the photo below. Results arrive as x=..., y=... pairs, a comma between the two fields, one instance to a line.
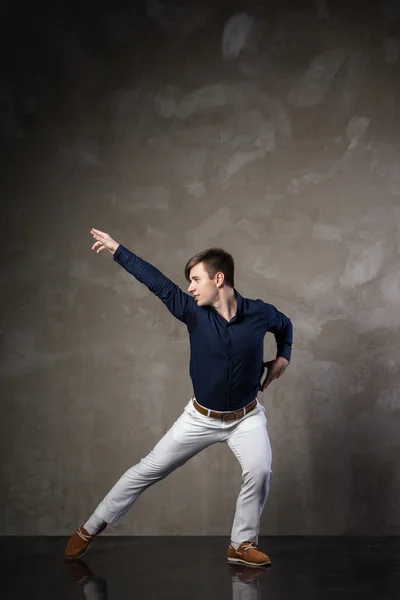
x=177, y=302
x=281, y=326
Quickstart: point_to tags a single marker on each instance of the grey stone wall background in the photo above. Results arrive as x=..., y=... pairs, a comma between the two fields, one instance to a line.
x=272, y=132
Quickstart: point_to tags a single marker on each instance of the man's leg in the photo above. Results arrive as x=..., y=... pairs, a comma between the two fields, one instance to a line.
x=186, y=438
x=250, y=443
x=189, y=435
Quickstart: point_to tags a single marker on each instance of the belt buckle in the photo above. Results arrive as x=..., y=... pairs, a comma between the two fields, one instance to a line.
x=229, y=417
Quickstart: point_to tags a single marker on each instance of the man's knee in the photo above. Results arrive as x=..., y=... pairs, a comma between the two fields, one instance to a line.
x=151, y=465
x=258, y=474
x=156, y=466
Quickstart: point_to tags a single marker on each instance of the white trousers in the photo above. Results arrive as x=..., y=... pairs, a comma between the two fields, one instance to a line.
x=192, y=432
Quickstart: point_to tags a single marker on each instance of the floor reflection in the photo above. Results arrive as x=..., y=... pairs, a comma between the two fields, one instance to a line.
x=183, y=568
x=245, y=581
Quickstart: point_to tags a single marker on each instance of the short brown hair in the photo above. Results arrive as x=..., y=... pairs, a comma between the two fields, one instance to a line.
x=215, y=260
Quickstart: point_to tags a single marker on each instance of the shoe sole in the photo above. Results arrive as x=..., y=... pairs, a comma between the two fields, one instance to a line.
x=240, y=561
x=77, y=555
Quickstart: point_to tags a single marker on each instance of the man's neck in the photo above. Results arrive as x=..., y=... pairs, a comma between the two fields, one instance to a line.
x=226, y=305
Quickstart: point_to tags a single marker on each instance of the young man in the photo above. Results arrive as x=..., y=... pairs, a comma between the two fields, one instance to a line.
x=226, y=334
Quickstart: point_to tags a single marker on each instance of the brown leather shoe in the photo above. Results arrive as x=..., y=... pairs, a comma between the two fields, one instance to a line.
x=248, y=554
x=79, y=542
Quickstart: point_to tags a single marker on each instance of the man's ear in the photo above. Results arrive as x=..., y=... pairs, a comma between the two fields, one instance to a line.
x=219, y=278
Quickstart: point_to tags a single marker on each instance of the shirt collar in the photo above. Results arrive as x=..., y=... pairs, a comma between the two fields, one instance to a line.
x=239, y=307
x=239, y=300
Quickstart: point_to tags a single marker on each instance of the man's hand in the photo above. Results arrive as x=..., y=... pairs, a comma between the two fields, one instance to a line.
x=275, y=368
x=104, y=242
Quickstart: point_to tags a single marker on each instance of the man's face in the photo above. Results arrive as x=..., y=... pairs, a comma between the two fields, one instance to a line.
x=204, y=289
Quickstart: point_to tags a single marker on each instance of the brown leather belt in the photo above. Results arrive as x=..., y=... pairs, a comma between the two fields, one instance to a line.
x=225, y=416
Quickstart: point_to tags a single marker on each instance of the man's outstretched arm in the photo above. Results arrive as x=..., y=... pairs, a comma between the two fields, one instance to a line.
x=169, y=293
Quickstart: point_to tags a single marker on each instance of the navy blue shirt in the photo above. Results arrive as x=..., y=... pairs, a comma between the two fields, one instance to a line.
x=226, y=358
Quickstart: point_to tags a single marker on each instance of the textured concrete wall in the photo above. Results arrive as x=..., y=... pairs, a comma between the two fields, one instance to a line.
x=286, y=155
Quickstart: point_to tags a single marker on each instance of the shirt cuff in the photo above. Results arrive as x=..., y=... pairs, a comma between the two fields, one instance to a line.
x=285, y=354
x=122, y=254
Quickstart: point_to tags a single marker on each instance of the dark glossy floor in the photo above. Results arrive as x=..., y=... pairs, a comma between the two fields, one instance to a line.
x=195, y=567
